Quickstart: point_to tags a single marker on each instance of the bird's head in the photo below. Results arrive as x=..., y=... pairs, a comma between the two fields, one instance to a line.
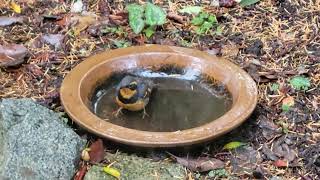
x=129, y=90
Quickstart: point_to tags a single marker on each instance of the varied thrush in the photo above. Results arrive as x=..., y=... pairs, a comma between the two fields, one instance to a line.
x=133, y=93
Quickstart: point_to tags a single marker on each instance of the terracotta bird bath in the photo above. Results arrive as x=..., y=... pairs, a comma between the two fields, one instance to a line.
x=81, y=82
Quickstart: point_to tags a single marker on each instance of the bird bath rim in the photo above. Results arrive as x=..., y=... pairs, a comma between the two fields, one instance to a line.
x=79, y=84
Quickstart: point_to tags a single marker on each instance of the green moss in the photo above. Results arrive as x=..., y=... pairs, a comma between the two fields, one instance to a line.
x=134, y=167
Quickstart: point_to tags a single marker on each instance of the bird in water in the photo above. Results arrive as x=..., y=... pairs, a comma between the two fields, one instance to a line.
x=133, y=94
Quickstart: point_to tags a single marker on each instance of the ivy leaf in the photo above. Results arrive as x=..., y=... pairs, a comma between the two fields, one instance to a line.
x=191, y=10
x=204, y=28
x=244, y=3
x=233, y=145
x=149, y=31
x=197, y=21
x=135, y=17
x=300, y=83
x=212, y=19
x=154, y=15
x=121, y=43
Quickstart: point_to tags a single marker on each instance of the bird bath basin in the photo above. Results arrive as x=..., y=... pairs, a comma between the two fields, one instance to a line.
x=81, y=90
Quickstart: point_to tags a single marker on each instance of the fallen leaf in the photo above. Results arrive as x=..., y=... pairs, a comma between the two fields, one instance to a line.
x=230, y=50
x=96, y=152
x=83, y=23
x=288, y=101
x=282, y=150
x=53, y=39
x=80, y=174
x=112, y=171
x=269, y=128
x=64, y=21
x=191, y=10
x=12, y=55
x=201, y=164
x=280, y=163
x=227, y=3
x=6, y=21
x=35, y=70
x=244, y=3
x=244, y=159
x=269, y=154
x=77, y=6
x=175, y=17
x=233, y=145
x=15, y=7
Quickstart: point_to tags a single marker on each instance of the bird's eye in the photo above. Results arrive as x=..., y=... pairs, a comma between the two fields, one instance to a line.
x=132, y=86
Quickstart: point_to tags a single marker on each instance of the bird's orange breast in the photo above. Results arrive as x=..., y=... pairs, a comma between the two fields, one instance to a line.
x=136, y=106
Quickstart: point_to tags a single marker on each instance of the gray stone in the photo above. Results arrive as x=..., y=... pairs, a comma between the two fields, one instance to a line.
x=137, y=168
x=35, y=143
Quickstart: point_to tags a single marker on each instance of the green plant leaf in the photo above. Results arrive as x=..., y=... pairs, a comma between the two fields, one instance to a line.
x=285, y=107
x=112, y=171
x=218, y=173
x=149, y=31
x=233, y=145
x=244, y=3
x=204, y=28
x=300, y=83
x=154, y=15
x=219, y=31
x=212, y=19
x=191, y=10
x=204, y=15
x=135, y=17
x=121, y=43
x=197, y=21
x=275, y=87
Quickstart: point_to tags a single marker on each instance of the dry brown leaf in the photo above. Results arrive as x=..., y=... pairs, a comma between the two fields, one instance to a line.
x=83, y=23
x=288, y=101
x=230, y=50
x=201, y=164
x=175, y=17
x=227, y=3
x=96, y=152
x=12, y=55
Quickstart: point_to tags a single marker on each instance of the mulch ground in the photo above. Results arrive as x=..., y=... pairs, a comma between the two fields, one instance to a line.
x=272, y=40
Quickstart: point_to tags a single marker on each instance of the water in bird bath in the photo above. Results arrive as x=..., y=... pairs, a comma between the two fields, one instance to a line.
x=181, y=100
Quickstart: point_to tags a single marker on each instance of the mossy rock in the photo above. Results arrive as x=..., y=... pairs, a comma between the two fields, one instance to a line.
x=134, y=167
